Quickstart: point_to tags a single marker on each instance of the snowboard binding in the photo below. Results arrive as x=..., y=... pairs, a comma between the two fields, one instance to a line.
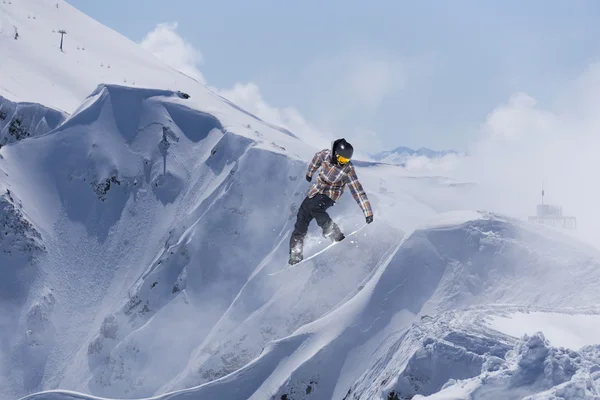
x=333, y=233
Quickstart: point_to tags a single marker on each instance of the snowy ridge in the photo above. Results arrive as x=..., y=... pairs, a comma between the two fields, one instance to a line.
x=526, y=367
x=382, y=342
x=22, y=120
x=172, y=195
x=102, y=172
x=18, y=235
x=470, y=276
x=402, y=154
x=89, y=55
x=384, y=317
x=35, y=70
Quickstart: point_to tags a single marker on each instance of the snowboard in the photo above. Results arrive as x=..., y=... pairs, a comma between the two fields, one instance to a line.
x=318, y=252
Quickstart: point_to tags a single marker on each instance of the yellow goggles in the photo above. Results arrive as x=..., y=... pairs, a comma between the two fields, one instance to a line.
x=342, y=160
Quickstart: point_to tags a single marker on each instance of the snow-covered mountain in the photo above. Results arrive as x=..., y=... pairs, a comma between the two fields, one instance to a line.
x=145, y=225
x=453, y=312
x=402, y=153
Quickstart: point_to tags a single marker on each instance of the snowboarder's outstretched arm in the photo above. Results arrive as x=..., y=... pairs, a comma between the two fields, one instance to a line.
x=359, y=194
x=315, y=164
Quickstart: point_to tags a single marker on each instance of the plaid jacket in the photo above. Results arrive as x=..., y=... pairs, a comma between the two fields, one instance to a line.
x=333, y=179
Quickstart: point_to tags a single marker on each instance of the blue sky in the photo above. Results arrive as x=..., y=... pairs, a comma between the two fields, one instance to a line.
x=383, y=73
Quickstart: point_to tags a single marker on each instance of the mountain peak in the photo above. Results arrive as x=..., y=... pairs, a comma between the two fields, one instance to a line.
x=400, y=154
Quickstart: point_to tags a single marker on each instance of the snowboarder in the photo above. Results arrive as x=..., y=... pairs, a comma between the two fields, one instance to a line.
x=336, y=171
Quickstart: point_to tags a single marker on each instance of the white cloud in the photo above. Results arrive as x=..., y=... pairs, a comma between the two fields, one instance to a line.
x=368, y=81
x=351, y=85
x=519, y=118
x=344, y=91
x=166, y=44
x=440, y=165
x=523, y=144
x=347, y=89
x=249, y=97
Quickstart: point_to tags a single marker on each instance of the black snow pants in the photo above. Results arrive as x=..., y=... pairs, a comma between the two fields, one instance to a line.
x=310, y=208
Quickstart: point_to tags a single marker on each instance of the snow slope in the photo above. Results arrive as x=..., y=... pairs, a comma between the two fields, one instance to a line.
x=395, y=339
x=156, y=232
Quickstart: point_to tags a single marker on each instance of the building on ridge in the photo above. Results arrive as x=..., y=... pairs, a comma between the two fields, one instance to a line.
x=552, y=215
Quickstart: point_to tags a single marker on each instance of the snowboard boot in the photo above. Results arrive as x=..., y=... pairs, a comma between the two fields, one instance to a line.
x=296, y=252
x=295, y=258
x=333, y=232
x=338, y=236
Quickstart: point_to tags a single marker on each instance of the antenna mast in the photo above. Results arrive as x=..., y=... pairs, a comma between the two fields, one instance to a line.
x=542, y=192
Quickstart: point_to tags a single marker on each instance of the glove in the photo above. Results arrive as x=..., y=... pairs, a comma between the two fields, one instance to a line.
x=369, y=219
x=308, y=178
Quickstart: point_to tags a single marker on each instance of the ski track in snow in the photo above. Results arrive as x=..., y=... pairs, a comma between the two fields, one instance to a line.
x=144, y=232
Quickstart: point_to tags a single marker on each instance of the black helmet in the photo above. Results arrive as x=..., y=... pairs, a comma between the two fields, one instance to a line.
x=343, y=151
